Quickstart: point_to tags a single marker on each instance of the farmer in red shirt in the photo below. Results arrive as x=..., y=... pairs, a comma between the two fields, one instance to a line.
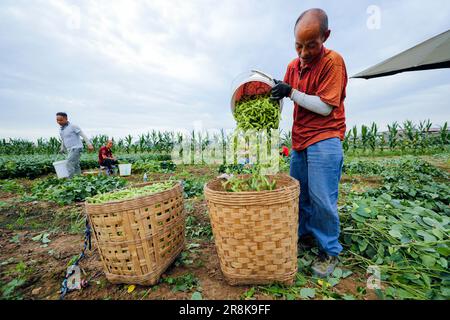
x=105, y=157
x=316, y=82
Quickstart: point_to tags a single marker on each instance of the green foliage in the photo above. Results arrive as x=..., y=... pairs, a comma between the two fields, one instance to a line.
x=32, y=166
x=196, y=229
x=306, y=285
x=11, y=186
x=403, y=227
x=196, y=296
x=8, y=290
x=66, y=191
x=20, y=275
x=156, y=141
x=248, y=294
x=254, y=182
x=362, y=167
x=192, y=188
x=233, y=168
x=414, y=179
x=186, y=282
x=406, y=138
x=148, y=166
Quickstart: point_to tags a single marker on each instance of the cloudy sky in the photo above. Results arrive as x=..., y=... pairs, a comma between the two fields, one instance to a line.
x=120, y=67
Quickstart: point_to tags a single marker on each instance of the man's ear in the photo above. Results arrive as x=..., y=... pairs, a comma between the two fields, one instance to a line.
x=326, y=35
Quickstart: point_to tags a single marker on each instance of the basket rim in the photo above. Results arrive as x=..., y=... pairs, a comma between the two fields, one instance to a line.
x=177, y=184
x=206, y=187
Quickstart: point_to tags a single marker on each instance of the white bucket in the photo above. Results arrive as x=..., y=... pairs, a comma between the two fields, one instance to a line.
x=247, y=78
x=125, y=169
x=61, y=169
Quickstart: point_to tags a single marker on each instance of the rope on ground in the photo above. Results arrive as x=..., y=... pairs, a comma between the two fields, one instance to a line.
x=87, y=244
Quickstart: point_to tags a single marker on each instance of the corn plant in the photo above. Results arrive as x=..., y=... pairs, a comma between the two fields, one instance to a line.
x=364, y=137
x=179, y=141
x=372, y=136
x=286, y=139
x=355, y=137
x=128, y=143
x=224, y=145
x=142, y=141
x=119, y=145
x=346, y=142
x=424, y=128
x=412, y=137
x=393, y=135
x=444, y=135
x=382, y=141
x=409, y=130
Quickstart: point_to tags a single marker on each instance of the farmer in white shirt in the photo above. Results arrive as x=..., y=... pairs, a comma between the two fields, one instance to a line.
x=70, y=141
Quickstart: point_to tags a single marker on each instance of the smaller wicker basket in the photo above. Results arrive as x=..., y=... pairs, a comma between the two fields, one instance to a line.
x=139, y=238
x=256, y=232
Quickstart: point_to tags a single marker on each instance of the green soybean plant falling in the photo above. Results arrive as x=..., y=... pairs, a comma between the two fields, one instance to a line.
x=257, y=113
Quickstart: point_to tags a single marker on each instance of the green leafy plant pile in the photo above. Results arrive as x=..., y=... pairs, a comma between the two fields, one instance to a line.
x=148, y=166
x=403, y=229
x=66, y=191
x=257, y=112
x=255, y=181
x=130, y=193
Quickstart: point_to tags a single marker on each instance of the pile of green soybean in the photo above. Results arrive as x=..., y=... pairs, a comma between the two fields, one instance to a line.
x=130, y=193
x=258, y=113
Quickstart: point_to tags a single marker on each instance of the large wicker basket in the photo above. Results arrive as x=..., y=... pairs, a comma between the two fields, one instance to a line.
x=139, y=238
x=256, y=232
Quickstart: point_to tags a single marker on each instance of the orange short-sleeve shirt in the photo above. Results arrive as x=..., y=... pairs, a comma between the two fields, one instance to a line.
x=326, y=77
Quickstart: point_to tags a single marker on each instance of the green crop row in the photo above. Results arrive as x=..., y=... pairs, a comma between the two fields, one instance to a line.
x=32, y=166
x=406, y=137
x=66, y=191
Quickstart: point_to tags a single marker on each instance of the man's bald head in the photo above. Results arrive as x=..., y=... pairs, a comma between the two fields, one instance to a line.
x=314, y=16
x=310, y=32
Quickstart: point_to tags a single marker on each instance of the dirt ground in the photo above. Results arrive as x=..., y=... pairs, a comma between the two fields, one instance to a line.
x=43, y=265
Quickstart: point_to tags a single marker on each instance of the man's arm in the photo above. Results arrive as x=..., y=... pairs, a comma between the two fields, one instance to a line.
x=62, y=147
x=85, y=138
x=311, y=103
x=103, y=154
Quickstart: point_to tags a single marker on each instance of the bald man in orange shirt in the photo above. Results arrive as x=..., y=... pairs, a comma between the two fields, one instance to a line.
x=316, y=82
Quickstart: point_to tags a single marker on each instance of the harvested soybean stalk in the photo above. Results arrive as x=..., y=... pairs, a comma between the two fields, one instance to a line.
x=257, y=113
x=130, y=193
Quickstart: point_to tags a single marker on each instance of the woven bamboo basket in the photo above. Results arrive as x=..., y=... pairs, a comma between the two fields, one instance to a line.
x=256, y=232
x=139, y=238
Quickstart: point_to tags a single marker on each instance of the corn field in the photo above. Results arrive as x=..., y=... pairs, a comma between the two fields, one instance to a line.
x=403, y=138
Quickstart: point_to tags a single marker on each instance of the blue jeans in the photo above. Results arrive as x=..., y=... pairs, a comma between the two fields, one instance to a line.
x=318, y=168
